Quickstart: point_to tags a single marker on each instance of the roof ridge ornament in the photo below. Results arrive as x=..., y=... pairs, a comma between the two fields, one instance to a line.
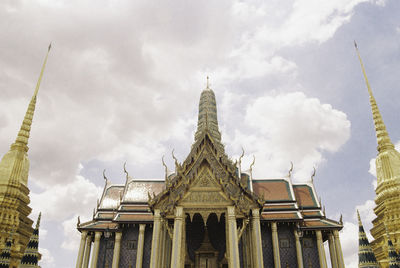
x=313, y=175
x=290, y=170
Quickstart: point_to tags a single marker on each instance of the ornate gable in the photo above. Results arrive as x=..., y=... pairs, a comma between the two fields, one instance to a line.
x=207, y=180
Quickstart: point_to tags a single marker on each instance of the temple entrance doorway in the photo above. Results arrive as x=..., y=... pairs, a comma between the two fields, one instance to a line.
x=206, y=242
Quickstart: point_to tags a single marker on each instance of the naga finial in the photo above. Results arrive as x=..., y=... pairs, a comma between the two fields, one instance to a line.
x=341, y=219
x=176, y=160
x=166, y=168
x=149, y=196
x=127, y=174
x=104, y=176
x=313, y=175
x=252, y=163
x=291, y=169
x=77, y=224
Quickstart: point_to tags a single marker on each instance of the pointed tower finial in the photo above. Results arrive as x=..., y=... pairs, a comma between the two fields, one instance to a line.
x=24, y=132
x=208, y=82
x=38, y=220
x=384, y=142
x=366, y=257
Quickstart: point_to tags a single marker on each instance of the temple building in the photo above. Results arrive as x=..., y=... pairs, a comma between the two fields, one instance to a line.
x=386, y=225
x=209, y=213
x=15, y=225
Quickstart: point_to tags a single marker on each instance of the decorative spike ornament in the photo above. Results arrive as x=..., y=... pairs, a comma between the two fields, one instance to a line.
x=366, y=257
x=32, y=256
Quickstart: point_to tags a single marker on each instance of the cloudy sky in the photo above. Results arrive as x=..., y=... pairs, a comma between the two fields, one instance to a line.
x=124, y=78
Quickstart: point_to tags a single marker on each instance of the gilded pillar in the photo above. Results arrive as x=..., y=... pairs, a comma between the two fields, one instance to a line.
x=256, y=235
x=87, y=251
x=275, y=245
x=321, y=250
x=117, y=250
x=176, y=254
x=139, y=252
x=161, y=259
x=332, y=250
x=338, y=247
x=81, y=249
x=96, y=247
x=298, y=250
x=155, y=243
x=233, y=243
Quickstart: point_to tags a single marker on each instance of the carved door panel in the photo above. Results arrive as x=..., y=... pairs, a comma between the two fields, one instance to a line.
x=207, y=260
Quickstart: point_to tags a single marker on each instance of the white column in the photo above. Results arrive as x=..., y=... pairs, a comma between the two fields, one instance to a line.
x=155, y=243
x=96, y=247
x=81, y=249
x=87, y=251
x=117, y=250
x=321, y=250
x=332, y=250
x=275, y=245
x=256, y=233
x=299, y=253
x=139, y=253
x=338, y=248
x=233, y=243
x=177, y=239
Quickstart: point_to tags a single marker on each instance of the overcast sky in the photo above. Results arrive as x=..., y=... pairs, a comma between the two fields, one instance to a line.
x=124, y=78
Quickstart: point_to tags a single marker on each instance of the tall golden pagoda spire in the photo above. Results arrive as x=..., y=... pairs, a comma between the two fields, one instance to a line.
x=387, y=198
x=23, y=134
x=14, y=192
x=384, y=142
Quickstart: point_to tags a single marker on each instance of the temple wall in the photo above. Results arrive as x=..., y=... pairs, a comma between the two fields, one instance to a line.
x=129, y=244
x=287, y=245
x=310, y=250
x=147, y=246
x=266, y=237
x=105, y=252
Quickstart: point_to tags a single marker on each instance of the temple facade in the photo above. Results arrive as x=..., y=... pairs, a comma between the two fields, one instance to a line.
x=15, y=226
x=386, y=225
x=209, y=213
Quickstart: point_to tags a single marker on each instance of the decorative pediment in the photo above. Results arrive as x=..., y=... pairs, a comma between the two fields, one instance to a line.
x=206, y=178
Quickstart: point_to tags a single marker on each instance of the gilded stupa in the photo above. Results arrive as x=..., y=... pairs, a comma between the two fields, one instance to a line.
x=14, y=191
x=387, y=200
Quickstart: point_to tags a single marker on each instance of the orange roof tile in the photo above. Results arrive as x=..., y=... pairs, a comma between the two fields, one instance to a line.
x=272, y=216
x=273, y=190
x=305, y=196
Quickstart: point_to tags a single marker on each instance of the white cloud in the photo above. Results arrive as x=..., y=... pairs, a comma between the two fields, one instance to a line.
x=291, y=127
x=47, y=258
x=349, y=241
x=71, y=235
x=59, y=202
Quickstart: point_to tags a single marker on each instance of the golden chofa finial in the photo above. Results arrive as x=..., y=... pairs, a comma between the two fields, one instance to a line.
x=382, y=135
x=21, y=141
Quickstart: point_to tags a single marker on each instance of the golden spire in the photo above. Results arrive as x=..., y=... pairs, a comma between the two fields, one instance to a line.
x=23, y=134
x=207, y=119
x=382, y=135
